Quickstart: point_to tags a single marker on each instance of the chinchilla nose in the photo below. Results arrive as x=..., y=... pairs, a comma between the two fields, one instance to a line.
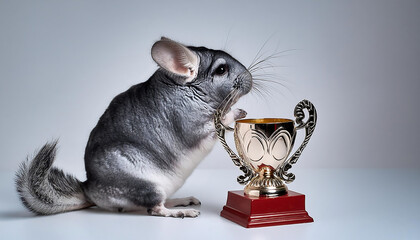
x=248, y=76
x=247, y=81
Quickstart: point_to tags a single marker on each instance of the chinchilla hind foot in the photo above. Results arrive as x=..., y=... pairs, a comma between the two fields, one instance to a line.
x=161, y=210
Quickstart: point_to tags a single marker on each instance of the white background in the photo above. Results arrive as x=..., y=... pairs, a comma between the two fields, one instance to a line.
x=62, y=62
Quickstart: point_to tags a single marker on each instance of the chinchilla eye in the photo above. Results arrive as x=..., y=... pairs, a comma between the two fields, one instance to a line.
x=221, y=69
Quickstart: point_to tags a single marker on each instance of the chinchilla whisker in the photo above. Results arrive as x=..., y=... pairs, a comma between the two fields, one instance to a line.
x=271, y=92
x=268, y=77
x=264, y=67
x=265, y=75
x=256, y=86
x=227, y=39
x=260, y=92
x=228, y=100
x=260, y=61
x=269, y=57
x=268, y=87
x=274, y=84
x=225, y=100
x=271, y=81
x=258, y=56
x=262, y=88
x=278, y=54
x=234, y=98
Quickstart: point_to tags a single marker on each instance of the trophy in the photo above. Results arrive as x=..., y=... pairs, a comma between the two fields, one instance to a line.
x=264, y=146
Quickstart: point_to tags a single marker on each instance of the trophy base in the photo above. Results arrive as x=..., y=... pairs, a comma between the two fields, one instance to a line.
x=251, y=212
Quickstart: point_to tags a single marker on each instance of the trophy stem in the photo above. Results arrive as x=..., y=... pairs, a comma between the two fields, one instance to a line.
x=266, y=183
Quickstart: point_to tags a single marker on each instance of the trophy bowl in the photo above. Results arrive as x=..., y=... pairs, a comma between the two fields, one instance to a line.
x=264, y=146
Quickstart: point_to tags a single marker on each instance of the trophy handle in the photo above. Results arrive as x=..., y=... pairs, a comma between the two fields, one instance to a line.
x=220, y=131
x=309, y=126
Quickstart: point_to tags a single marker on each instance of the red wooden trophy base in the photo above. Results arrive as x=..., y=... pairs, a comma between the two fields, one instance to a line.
x=253, y=212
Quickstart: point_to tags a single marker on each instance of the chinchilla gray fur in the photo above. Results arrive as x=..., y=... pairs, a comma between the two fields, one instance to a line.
x=148, y=141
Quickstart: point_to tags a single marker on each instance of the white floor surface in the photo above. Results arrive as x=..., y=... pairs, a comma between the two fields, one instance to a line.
x=345, y=204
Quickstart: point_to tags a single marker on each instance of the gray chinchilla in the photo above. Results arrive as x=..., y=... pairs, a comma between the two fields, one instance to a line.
x=148, y=141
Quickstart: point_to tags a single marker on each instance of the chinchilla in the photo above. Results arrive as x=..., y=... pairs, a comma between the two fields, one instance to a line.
x=149, y=139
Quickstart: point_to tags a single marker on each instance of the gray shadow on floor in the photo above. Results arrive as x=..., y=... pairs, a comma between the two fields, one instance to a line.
x=16, y=214
x=96, y=210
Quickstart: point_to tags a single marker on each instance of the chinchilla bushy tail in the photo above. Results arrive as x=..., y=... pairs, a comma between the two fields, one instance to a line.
x=46, y=190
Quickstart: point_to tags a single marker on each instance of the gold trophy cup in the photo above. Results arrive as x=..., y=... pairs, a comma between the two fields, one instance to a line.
x=264, y=146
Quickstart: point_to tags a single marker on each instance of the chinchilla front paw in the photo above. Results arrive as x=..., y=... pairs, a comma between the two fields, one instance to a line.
x=232, y=116
x=239, y=113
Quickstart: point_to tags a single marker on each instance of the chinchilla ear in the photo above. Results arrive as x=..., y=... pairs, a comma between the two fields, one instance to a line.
x=176, y=58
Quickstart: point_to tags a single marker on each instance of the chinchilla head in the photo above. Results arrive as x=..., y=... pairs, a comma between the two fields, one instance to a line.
x=215, y=77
